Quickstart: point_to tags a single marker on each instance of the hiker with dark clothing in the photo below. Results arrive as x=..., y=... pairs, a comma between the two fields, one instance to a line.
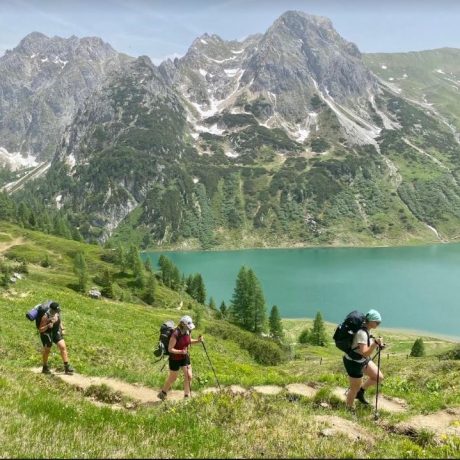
x=51, y=330
x=364, y=345
x=179, y=357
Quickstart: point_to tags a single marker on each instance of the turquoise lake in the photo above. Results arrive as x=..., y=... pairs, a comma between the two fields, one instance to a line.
x=414, y=288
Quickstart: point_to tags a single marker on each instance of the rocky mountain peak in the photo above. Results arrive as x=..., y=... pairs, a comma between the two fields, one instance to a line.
x=48, y=77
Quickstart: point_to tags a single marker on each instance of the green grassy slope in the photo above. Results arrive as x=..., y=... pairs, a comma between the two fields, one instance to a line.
x=42, y=417
x=431, y=76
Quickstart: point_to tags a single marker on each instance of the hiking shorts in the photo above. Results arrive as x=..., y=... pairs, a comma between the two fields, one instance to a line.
x=353, y=368
x=49, y=338
x=176, y=364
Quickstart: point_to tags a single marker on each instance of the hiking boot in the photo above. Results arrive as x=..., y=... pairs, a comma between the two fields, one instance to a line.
x=360, y=397
x=68, y=369
x=162, y=395
x=46, y=369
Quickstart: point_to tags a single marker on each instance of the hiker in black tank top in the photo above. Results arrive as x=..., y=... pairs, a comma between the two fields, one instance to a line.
x=51, y=331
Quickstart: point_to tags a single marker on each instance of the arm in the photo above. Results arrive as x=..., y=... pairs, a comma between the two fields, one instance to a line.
x=198, y=340
x=45, y=324
x=367, y=351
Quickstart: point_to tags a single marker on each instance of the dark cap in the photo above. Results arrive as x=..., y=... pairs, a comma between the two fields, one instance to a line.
x=55, y=306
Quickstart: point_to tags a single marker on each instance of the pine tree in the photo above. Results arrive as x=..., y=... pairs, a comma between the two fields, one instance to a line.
x=240, y=299
x=318, y=335
x=121, y=258
x=80, y=269
x=107, y=287
x=418, y=348
x=257, y=306
x=150, y=290
x=248, y=302
x=148, y=266
x=212, y=304
x=166, y=270
x=138, y=273
x=223, y=309
x=304, y=335
x=276, y=327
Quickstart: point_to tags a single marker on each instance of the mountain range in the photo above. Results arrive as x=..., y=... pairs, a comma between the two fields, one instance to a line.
x=291, y=137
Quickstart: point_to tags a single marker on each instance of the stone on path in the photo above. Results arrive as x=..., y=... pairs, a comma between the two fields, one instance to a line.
x=385, y=403
x=301, y=389
x=442, y=423
x=267, y=389
x=332, y=425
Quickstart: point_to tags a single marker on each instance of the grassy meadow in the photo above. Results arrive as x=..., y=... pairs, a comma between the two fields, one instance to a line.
x=43, y=417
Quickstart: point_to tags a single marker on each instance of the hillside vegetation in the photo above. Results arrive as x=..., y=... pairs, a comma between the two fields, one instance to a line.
x=42, y=416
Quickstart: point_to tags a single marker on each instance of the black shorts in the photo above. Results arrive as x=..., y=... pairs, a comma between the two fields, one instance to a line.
x=176, y=364
x=48, y=338
x=353, y=368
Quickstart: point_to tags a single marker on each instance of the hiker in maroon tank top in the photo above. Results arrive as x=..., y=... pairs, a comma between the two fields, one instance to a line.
x=179, y=342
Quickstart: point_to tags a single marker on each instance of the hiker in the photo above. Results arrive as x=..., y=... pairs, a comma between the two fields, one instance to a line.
x=363, y=344
x=179, y=357
x=51, y=330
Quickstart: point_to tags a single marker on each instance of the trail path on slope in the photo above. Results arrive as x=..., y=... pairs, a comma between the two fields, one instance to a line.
x=5, y=245
x=147, y=395
x=441, y=424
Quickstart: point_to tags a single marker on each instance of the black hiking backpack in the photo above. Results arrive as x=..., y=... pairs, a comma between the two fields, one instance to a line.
x=344, y=333
x=38, y=311
x=166, y=330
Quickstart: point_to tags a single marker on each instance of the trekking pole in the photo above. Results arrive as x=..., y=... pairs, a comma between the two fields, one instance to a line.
x=376, y=414
x=209, y=359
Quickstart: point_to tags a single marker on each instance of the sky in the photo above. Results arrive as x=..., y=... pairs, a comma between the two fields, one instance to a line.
x=162, y=29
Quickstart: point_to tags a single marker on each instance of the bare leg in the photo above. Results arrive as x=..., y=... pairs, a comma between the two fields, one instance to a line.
x=355, y=385
x=371, y=371
x=170, y=380
x=187, y=379
x=45, y=355
x=63, y=350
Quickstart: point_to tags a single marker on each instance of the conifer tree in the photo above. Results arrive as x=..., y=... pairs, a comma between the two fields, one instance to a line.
x=418, y=348
x=198, y=290
x=240, y=299
x=248, y=302
x=317, y=335
x=80, y=269
x=212, y=304
x=166, y=270
x=121, y=258
x=276, y=327
x=223, y=309
x=107, y=287
x=138, y=272
x=303, y=337
x=150, y=290
x=257, y=306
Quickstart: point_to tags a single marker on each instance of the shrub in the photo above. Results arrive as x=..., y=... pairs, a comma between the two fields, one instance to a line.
x=418, y=348
x=263, y=350
x=303, y=337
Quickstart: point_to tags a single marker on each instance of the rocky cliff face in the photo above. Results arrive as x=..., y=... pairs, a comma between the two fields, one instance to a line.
x=44, y=82
x=279, y=75
x=283, y=138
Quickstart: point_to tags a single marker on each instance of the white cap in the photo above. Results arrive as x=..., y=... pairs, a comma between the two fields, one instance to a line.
x=187, y=321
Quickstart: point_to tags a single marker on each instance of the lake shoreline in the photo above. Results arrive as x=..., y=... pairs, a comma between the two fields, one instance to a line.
x=393, y=330
x=293, y=247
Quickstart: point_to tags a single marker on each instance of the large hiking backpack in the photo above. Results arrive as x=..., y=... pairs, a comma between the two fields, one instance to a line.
x=166, y=330
x=344, y=333
x=38, y=311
